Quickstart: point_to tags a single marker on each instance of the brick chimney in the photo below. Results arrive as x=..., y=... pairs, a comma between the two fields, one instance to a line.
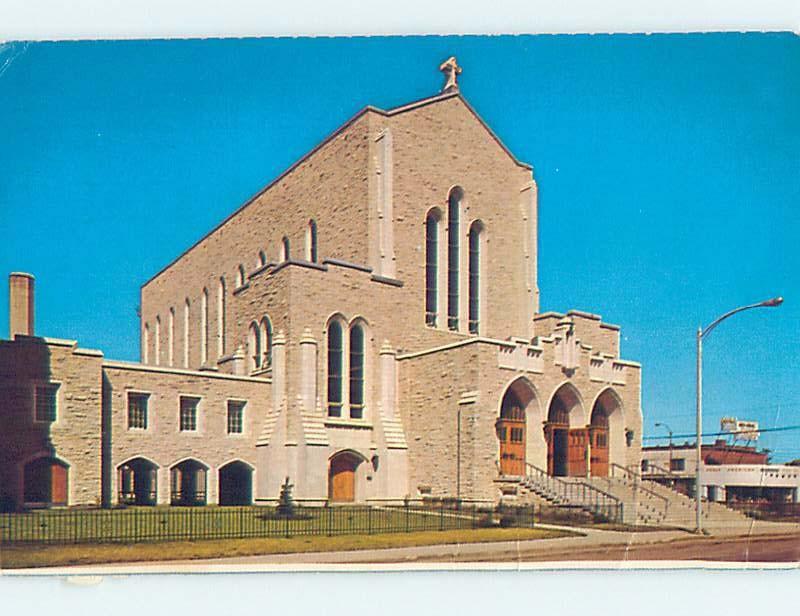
x=20, y=304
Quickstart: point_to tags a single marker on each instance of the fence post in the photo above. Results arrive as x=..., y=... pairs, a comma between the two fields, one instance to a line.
x=369, y=520
x=406, y=516
x=330, y=522
x=286, y=517
x=441, y=516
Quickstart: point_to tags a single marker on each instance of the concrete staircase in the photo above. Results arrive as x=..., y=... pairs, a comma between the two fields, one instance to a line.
x=537, y=487
x=625, y=497
x=648, y=503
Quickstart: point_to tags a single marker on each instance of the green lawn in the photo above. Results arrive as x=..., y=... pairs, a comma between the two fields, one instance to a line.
x=24, y=556
x=144, y=524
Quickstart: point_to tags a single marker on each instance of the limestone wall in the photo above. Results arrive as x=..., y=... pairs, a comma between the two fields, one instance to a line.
x=74, y=437
x=163, y=443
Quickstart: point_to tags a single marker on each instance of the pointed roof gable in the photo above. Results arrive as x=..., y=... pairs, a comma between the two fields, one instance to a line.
x=445, y=96
x=430, y=100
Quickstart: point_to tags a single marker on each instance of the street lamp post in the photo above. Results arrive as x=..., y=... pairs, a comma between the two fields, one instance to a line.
x=661, y=424
x=702, y=333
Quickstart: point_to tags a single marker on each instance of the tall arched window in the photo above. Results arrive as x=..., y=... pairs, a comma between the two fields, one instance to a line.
x=146, y=343
x=474, y=276
x=311, y=241
x=335, y=353
x=285, y=249
x=262, y=258
x=171, y=338
x=204, y=327
x=240, y=277
x=254, y=347
x=186, y=333
x=157, y=350
x=431, y=268
x=453, y=212
x=356, y=371
x=265, y=331
x=221, y=318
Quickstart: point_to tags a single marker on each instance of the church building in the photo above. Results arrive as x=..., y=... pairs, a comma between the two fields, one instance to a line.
x=368, y=326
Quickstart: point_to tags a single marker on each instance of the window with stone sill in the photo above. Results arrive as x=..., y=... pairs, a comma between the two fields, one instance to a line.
x=46, y=402
x=235, y=417
x=137, y=410
x=188, y=414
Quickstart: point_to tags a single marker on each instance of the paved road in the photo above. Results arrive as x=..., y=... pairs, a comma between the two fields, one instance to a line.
x=756, y=543
x=764, y=549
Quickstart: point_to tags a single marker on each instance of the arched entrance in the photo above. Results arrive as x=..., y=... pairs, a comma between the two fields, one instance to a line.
x=46, y=482
x=138, y=481
x=342, y=477
x=188, y=483
x=605, y=432
x=566, y=434
x=236, y=484
x=510, y=428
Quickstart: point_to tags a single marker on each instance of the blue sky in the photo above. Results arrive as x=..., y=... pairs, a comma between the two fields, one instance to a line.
x=668, y=169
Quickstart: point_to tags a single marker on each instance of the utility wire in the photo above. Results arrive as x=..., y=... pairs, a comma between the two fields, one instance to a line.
x=733, y=433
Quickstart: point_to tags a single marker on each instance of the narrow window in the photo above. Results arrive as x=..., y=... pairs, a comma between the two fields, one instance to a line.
x=356, y=372
x=171, y=337
x=431, y=268
x=254, y=347
x=146, y=343
x=311, y=242
x=266, y=342
x=186, y=333
x=157, y=350
x=285, y=249
x=262, y=258
x=474, y=276
x=137, y=410
x=453, y=207
x=235, y=416
x=335, y=369
x=221, y=318
x=204, y=327
x=188, y=419
x=240, y=277
x=46, y=402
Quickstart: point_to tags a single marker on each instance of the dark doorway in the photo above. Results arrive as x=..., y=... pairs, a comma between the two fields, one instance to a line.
x=138, y=482
x=188, y=481
x=557, y=449
x=236, y=484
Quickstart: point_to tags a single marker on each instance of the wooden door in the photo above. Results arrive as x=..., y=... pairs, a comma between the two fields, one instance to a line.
x=511, y=434
x=578, y=441
x=342, y=488
x=58, y=495
x=599, y=441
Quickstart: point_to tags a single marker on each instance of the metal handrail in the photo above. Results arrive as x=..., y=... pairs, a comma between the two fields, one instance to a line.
x=579, y=492
x=638, y=485
x=662, y=470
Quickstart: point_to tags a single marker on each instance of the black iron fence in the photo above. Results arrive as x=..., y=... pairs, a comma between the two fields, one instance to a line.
x=142, y=524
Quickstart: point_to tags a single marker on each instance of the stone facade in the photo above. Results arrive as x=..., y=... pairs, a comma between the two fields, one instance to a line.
x=341, y=242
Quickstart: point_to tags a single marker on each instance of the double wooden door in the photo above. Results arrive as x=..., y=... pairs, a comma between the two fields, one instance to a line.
x=566, y=450
x=511, y=434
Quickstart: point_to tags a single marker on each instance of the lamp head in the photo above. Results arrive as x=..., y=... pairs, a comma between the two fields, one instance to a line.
x=772, y=303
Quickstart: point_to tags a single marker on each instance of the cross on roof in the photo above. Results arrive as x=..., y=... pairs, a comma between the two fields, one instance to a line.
x=451, y=69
